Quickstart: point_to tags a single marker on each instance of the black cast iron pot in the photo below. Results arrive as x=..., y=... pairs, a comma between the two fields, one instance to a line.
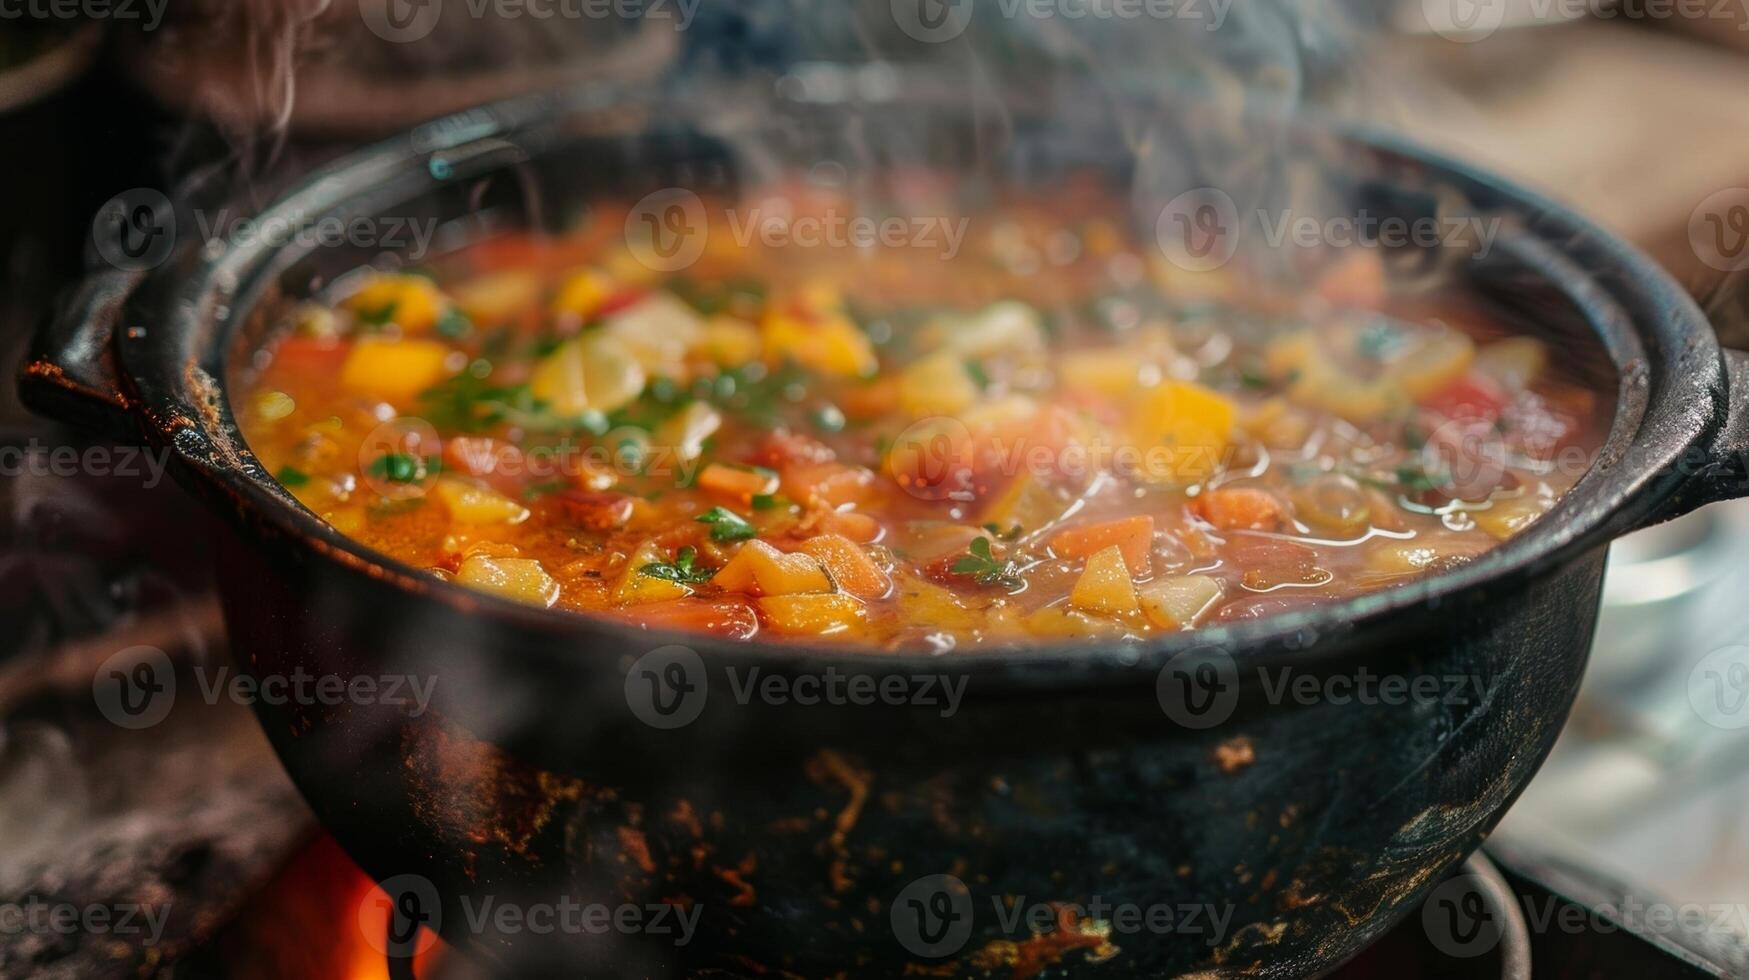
x=1205, y=813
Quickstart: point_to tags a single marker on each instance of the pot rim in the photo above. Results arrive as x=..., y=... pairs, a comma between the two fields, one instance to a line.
x=1671, y=397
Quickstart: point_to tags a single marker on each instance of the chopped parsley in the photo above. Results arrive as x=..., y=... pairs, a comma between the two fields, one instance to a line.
x=726, y=525
x=771, y=501
x=979, y=376
x=291, y=477
x=402, y=467
x=1012, y=534
x=681, y=570
x=982, y=565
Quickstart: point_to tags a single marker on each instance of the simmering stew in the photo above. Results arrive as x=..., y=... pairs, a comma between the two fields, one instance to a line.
x=1049, y=434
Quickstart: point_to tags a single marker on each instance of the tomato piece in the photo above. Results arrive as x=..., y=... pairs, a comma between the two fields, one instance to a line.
x=1472, y=396
x=310, y=354
x=1238, y=508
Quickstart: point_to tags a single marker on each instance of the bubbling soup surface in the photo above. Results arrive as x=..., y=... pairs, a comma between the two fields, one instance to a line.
x=1052, y=433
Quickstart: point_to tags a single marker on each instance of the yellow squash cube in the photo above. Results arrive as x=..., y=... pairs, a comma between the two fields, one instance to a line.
x=1182, y=431
x=393, y=370
x=760, y=569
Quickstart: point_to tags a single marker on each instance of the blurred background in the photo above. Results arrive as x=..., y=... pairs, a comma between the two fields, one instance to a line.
x=1634, y=113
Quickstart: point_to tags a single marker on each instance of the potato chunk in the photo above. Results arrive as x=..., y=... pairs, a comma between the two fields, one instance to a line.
x=1104, y=587
x=522, y=579
x=472, y=504
x=1175, y=602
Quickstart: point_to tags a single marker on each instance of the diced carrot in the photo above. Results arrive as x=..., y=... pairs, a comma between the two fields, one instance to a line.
x=732, y=618
x=869, y=400
x=856, y=526
x=851, y=567
x=1239, y=507
x=736, y=484
x=1133, y=536
x=826, y=484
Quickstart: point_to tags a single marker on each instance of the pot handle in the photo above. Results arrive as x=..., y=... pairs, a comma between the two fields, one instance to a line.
x=1723, y=473
x=71, y=374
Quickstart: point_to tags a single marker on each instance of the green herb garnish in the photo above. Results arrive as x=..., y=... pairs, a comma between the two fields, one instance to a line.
x=402, y=467
x=682, y=569
x=1012, y=534
x=1418, y=480
x=454, y=324
x=726, y=525
x=291, y=477
x=979, y=376
x=982, y=565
